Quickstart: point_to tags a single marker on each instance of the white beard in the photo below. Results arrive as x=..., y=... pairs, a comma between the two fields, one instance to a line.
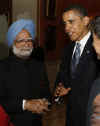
x=22, y=52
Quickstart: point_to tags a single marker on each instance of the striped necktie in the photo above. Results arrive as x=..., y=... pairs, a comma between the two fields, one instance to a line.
x=75, y=57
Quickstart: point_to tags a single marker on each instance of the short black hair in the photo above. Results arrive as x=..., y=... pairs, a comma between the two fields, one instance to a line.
x=95, y=26
x=79, y=8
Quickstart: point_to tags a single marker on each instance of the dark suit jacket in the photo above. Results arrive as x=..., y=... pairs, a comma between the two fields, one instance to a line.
x=80, y=82
x=20, y=79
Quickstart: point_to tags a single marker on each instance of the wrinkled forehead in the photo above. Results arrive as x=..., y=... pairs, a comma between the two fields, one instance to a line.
x=23, y=34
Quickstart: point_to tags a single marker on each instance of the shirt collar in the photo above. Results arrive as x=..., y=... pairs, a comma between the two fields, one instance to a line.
x=84, y=39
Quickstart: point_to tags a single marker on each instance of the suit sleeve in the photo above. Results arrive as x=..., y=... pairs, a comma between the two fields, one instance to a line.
x=63, y=73
x=10, y=103
x=44, y=83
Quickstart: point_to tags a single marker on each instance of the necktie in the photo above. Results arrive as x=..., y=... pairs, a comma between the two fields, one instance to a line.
x=75, y=58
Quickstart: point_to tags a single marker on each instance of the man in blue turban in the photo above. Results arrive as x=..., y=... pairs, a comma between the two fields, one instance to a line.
x=17, y=27
x=24, y=86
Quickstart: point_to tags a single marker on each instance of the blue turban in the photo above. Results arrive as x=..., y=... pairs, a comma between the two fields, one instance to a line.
x=17, y=27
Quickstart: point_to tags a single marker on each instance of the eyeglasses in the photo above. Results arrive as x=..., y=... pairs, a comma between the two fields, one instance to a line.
x=25, y=40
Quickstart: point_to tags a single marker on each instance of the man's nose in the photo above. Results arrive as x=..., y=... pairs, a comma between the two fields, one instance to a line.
x=27, y=44
x=67, y=27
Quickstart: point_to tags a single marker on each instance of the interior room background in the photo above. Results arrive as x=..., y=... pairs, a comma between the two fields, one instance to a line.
x=47, y=15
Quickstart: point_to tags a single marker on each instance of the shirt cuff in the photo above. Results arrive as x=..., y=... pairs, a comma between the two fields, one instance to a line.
x=23, y=104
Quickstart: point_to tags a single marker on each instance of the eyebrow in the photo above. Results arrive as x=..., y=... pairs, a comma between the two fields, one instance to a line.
x=30, y=38
x=70, y=21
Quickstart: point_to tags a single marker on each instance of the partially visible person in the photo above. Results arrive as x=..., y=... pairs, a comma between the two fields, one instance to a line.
x=93, y=116
x=78, y=69
x=4, y=118
x=24, y=85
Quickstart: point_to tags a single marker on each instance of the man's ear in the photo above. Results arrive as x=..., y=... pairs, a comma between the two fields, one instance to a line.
x=86, y=20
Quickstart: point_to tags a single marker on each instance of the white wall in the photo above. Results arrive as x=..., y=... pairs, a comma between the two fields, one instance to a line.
x=24, y=9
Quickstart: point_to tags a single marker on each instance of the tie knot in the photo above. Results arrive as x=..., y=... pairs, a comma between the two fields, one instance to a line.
x=77, y=51
x=78, y=45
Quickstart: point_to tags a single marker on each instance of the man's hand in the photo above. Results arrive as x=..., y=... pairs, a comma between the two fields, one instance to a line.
x=36, y=105
x=61, y=90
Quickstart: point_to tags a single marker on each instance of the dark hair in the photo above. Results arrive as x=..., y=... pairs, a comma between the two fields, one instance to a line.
x=95, y=26
x=79, y=8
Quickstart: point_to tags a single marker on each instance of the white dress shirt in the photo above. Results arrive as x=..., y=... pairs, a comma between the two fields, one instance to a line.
x=82, y=42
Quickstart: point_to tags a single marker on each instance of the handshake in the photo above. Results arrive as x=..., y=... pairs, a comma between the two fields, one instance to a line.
x=38, y=106
x=41, y=106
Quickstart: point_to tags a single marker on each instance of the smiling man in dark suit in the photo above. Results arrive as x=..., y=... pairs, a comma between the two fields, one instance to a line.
x=78, y=68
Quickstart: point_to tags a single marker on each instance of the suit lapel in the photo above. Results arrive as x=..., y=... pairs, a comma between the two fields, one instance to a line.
x=87, y=48
x=72, y=48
